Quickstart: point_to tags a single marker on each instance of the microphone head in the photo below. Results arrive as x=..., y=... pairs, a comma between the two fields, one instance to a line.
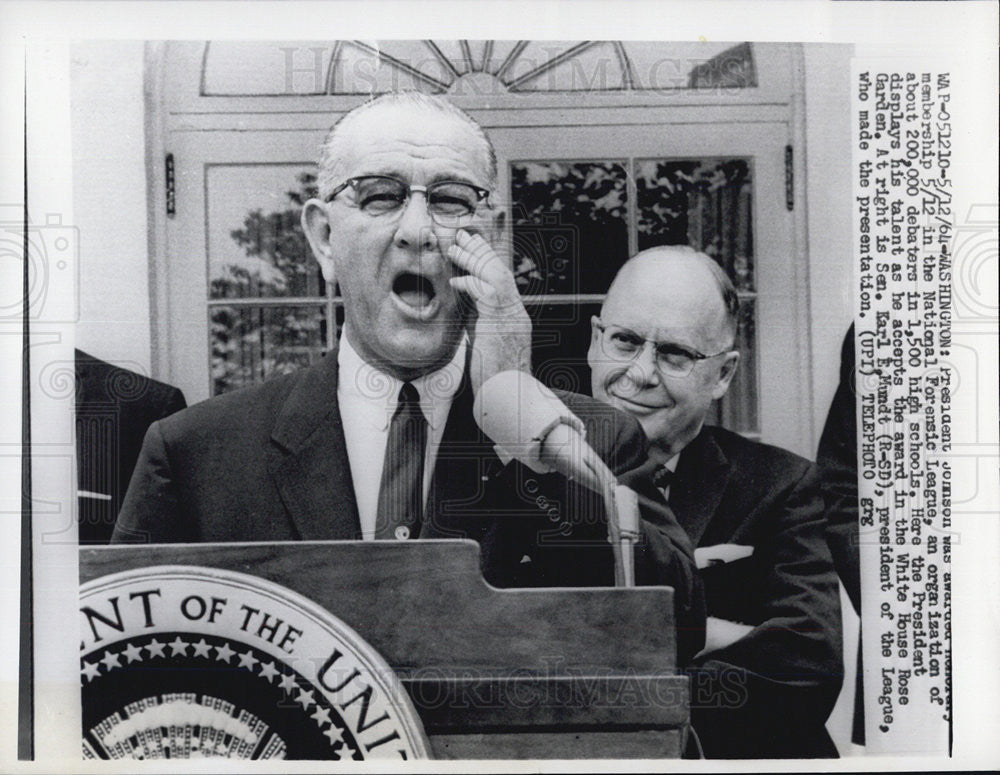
x=521, y=415
x=513, y=408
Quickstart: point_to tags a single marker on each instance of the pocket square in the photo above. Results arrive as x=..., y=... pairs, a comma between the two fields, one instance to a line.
x=705, y=556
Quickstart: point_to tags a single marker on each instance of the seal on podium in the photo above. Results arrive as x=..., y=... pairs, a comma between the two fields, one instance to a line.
x=188, y=662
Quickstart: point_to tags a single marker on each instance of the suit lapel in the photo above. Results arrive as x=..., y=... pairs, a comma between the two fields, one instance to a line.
x=699, y=484
x=307, y=458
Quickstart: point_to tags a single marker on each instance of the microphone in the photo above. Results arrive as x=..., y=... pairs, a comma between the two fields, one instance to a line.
x=527, y=422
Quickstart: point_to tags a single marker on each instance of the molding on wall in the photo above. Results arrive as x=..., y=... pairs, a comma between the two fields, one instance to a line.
x=156, y=239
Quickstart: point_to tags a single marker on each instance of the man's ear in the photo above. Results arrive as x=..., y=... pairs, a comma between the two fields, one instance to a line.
x=726, y=373
x=316, y=226
x=593, y=351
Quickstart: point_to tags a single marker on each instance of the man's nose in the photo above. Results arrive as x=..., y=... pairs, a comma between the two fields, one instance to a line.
x=415, y=228
x=642, y=370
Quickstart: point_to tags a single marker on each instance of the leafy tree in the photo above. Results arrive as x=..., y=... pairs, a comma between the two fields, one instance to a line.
x=570, y=225
x=252, y=343
x=705, y=204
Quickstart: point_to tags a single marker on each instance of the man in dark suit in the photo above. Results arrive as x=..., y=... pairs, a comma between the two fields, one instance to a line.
x=114, y=408
x=378, y=441
x=663, y=350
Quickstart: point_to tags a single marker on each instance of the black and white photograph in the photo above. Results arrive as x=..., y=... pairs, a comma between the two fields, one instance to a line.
x=513, y=396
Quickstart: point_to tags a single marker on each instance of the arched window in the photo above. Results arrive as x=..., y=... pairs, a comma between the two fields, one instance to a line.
x=470, y=67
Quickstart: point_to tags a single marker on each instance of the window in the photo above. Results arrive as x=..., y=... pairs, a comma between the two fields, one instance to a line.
x=268, y=307
x=572, y=224
x=355, y=67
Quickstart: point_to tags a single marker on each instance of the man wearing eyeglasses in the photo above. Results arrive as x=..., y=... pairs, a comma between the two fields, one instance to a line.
x=378, y=441
x=664, y=350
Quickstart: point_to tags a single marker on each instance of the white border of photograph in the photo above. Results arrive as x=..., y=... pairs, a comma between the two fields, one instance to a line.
x=960, y=36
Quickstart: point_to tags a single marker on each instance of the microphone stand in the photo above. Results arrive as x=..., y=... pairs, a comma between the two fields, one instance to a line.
x=614, y=531
x=622, y=507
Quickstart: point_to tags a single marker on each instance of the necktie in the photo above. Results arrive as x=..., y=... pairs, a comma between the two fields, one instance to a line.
x=400, y=498
x=663, y=477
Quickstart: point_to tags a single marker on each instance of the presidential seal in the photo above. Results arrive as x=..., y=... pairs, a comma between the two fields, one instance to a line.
x=186, y=662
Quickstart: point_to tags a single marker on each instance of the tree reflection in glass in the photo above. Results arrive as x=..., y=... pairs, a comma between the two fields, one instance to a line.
x=250, y=343
x=570, y=225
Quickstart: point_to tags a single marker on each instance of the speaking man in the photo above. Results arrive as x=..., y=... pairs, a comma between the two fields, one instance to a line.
x=663, y=350
x=378, y=439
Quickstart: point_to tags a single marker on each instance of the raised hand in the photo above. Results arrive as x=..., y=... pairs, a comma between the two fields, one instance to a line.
x=501, y=339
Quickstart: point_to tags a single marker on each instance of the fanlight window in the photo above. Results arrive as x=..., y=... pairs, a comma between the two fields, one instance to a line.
x=470, y=67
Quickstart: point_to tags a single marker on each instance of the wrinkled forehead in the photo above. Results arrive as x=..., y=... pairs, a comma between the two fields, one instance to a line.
x=398, y=139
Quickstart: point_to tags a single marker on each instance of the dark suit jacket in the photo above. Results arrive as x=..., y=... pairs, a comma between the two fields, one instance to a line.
x=837, y=463
x=269, y=463
x=769, y=693
x=114, y=408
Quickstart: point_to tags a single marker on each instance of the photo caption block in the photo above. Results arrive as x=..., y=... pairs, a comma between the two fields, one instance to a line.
x=904, y=230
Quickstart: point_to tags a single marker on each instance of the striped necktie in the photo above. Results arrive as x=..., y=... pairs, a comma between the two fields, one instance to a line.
x=401, y=491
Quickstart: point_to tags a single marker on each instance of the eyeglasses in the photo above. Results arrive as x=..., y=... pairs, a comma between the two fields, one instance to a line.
x=448, y=201
x=672, y=360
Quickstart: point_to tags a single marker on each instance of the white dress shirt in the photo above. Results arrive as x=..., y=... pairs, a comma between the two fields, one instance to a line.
x=368, y=399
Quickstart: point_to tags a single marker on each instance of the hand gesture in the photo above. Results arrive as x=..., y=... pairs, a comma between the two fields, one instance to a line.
x=501, y=340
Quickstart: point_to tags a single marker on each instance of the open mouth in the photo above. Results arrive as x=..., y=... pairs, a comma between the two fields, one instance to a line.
x=415, y=291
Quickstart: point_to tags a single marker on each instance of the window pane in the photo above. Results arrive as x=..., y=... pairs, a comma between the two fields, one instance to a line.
x=310, y=68
x=560, y=339
x=250, y=344
x=256, y=247
x=454, y=52
x=535, y=54
x=499, y=51
x=707, y=204
x=704, y=203
x=597, y=67
x=570, y=232
x=392, y=65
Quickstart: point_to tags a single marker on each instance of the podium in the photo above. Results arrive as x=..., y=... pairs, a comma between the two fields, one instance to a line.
x=542, y=673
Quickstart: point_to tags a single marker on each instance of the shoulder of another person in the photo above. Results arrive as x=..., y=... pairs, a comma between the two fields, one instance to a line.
x=242, y=409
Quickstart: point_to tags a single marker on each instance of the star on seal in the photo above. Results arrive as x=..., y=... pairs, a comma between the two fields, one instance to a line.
x=111, y=661
x=133, y=653
x=224, y=653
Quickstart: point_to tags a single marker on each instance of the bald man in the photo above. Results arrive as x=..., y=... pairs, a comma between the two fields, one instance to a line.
x=664, y=350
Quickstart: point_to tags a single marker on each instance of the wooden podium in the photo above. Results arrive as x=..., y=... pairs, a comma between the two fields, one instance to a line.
x=493, y=673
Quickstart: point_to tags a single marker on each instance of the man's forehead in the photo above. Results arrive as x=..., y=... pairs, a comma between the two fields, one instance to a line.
x=666, y=295
x=388, y=138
